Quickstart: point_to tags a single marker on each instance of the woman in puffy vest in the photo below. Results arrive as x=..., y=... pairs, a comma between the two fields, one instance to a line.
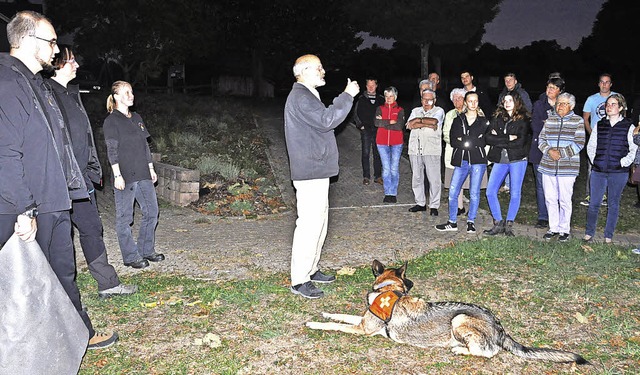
x=612, y=151
x=389, y=140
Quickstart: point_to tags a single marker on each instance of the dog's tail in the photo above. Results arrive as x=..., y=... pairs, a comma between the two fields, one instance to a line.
x=541, y=354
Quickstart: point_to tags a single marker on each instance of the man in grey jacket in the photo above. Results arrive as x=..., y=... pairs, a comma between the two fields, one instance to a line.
x=313, y=159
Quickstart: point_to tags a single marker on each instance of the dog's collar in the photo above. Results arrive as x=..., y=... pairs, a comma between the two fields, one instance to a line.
x=383, y=305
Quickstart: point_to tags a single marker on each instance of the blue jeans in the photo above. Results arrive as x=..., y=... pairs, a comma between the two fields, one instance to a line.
x=600, y=182
x=368, y=142
x=390, y=159
x=515, y=171
x=459, y=175
x=543, y=214
x=145, y=194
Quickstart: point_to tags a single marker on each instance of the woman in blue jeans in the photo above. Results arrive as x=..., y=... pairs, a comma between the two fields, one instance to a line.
x=509, y=138
x=612, y=151
x=389, y=140
x=469, y=158
x=126, y=137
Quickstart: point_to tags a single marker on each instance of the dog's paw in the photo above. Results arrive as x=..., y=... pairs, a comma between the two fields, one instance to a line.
x=313, y=325
x=460, y=350
x=326, y=315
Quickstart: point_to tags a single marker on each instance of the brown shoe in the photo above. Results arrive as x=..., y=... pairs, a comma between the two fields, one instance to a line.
x=365, y=181
x=379, y=180
x=102, y=340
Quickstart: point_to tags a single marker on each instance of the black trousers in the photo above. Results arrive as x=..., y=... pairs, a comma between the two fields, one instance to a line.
x=54, y=238
x=368, y=142
x=85, y=217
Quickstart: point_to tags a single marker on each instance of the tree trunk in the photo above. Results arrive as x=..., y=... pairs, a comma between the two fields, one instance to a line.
x=256, y=71
x=424, y=59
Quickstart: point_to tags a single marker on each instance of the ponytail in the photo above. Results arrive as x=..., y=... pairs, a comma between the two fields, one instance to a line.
x=111, y=103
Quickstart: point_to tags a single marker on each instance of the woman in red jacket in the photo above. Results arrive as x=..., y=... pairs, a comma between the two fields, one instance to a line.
x=389, y=139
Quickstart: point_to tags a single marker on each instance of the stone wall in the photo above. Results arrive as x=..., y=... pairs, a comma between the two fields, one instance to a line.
x=177, y=185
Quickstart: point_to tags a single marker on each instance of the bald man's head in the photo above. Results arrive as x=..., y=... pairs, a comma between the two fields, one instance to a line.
x=308, y=70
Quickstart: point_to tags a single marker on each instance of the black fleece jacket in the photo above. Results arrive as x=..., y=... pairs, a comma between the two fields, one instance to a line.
x=517, y=149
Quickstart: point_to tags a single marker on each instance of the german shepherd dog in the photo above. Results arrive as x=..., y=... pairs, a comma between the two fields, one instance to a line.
x=467, y=329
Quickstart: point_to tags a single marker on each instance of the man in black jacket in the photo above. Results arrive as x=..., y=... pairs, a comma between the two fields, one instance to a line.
x=37, y=167
x=365, y=114
x=485, y=103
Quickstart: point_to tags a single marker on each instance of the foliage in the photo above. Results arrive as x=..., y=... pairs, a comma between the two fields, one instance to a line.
x=145, y=36
x=218, y=137
x=272, y=34
x=211, y=164
x=141, y=36
x=423, y=23
x=611, y=43
x=567, y=296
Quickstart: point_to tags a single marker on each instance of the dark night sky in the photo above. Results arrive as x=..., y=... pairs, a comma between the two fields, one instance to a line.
x=521, y=22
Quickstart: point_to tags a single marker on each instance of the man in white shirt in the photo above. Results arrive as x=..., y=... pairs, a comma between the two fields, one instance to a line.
x=425, y=149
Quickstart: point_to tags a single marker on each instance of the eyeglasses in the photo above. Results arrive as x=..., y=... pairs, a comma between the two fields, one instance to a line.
x=563, y=104
x=605, y=82
x=52, y=42
x=70, y=61
x=319, y=68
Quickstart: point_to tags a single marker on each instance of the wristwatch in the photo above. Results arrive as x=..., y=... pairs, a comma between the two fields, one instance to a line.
x=32, y=213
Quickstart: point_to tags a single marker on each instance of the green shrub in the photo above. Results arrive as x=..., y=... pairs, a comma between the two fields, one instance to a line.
x=229, y=171
x=212, y=164
x=241, y=206
x=160, y=145
x=239, y=188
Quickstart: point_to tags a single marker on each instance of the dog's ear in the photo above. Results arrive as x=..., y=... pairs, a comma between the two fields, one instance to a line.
x=377, y=268
x=401, y=272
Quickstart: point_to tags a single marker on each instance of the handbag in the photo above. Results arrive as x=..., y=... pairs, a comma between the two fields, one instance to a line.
x=634, y=175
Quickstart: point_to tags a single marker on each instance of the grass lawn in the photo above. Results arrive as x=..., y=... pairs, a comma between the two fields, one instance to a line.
x=567, y=296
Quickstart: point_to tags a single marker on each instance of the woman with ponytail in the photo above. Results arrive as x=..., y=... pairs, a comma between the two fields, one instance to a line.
x=134, y=176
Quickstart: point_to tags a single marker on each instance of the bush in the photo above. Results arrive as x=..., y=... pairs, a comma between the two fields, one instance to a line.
x=215, y=165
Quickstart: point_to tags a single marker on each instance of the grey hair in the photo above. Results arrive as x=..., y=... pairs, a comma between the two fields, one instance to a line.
x=23, y=24
x=299, y=67
x=391, y=90
x=425, y=82
x=429, y=91
x=457, y=91
x=570, y=97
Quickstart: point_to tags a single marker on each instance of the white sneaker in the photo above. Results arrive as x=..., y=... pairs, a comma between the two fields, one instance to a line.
x=635, y=251
x=118, y=290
